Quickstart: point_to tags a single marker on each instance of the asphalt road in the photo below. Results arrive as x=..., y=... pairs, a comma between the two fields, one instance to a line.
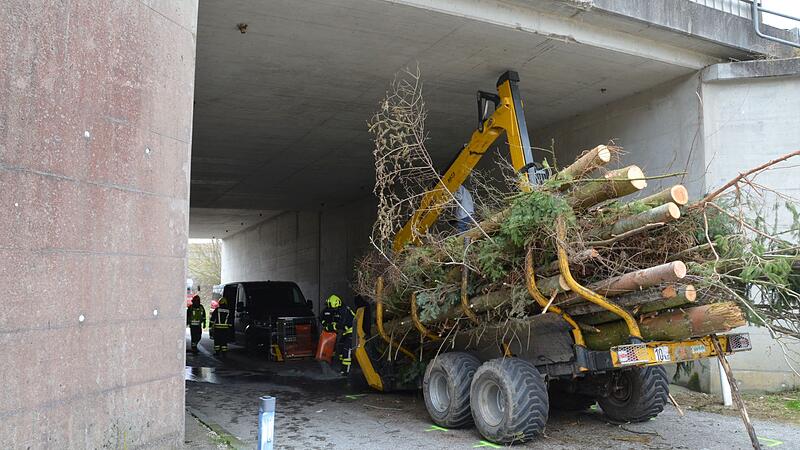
x=318, y=410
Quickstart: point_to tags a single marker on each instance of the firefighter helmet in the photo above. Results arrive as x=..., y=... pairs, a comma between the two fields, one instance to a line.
x=334, y=301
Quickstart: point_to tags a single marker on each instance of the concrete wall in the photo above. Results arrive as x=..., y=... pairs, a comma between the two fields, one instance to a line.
x=316, y=250
x=750, y=116
x=95, y=128
x=285, y=248
x=659, y=129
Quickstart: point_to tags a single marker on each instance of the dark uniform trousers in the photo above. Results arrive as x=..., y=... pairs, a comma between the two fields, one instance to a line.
x=222, y=329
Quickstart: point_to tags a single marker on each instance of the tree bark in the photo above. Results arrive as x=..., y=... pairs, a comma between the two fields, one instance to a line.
x=616, y=183
x=638, y=309
x=478, y=304
x=631, y=282
x=634, y=299
x=676, y=194
x=589, y=161
x=575, y=263
x=671, y=325
x=665, y=213
x=550, y=285
x=488, y=226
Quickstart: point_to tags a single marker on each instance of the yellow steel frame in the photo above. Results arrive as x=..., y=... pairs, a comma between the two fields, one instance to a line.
x=506, y=119
x=465, y=298
x=372, y=377
x=423, y=330
x=379, y=321
x=577, y=335
x=582, y=291
x=687, y=350
x=276, y=350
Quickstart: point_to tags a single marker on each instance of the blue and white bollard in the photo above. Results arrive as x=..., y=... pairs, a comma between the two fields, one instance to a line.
x=266, y=422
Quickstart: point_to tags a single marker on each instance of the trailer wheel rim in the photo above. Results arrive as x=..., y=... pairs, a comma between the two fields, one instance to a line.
x=491, y=403
x=622, y=388
x=439, y=392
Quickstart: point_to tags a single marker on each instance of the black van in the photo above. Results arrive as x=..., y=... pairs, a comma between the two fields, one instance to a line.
x=268, y=313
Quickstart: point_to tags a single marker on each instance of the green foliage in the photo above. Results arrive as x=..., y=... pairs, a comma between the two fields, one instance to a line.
x=719, y=224
x=793, y=404
x=411, y=374
x=730, y=246
x=795, y=228
x=421, y=266
x=776, y=271
x=694, y=382
x=431, y=304
x=555, y=183
x=520, y=300
x=491, y=257
x=533, y=215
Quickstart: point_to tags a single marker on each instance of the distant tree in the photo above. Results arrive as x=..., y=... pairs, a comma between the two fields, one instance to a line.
x=205, y=266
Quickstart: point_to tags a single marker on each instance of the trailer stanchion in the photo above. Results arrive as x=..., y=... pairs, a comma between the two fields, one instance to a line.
x=735, y=391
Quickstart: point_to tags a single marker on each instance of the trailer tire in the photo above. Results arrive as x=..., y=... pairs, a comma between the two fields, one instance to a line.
x=636, y=395
x=446, y=388
x=509, y=400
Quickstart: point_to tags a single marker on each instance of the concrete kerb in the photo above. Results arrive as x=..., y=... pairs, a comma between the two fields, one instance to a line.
x=229, y=439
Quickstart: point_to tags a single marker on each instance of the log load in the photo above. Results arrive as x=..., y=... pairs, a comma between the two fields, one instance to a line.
x=671, y=325
x=668, y=212
x=637, y=303
x=586, y=163
x=615, y=184
x=630, y=282
x=676, y=194
x=655, y=291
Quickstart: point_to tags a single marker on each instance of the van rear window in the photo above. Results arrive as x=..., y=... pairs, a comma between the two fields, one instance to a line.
x=263, y=297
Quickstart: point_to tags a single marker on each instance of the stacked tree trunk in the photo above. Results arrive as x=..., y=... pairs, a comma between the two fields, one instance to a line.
x=665, y=305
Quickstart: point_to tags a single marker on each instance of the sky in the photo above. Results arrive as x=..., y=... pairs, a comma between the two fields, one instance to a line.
x=790, y=7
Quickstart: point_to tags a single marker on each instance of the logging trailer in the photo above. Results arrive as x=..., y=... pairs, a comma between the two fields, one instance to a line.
x=505, y=378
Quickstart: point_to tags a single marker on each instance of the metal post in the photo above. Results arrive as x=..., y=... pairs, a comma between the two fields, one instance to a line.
x=266, y=422
x=724, y=386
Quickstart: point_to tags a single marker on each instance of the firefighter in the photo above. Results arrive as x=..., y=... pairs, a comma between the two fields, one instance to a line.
x=222, y=324
x=196, y=321
x=338, y=318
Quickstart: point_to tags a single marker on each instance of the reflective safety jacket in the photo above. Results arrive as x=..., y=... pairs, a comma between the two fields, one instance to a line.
x=338, y=319
x=221, y=318
x=196, y=316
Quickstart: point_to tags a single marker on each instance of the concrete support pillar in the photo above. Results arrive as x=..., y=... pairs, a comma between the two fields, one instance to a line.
x=95, y=135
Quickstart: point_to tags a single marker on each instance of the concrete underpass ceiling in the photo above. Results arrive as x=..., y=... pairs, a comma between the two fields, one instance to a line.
x=281, y=110
x=221, y=223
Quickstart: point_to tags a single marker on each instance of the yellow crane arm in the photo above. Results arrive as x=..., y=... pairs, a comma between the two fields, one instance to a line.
x=509, y=118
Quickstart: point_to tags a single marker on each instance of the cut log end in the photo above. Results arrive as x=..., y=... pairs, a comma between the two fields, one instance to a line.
x=603, y=154
x=679, y=268
x=679, y=194
x=636, y=175
x=690, y=293
x=673, y=210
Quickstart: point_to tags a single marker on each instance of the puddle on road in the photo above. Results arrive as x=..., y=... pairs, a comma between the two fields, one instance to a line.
x=201, y=374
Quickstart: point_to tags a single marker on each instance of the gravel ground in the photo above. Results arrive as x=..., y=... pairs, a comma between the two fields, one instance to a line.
x=316, y=410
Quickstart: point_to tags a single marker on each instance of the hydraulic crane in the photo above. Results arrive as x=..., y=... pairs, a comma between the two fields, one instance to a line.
x=507, y=116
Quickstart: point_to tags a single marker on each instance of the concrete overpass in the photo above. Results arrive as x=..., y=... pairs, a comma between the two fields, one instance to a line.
x=111, y=111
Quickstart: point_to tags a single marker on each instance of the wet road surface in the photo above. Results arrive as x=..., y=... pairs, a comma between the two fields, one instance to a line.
x=318, y=410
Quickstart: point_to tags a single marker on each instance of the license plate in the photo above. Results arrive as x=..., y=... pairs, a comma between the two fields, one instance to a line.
x=662, y=354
